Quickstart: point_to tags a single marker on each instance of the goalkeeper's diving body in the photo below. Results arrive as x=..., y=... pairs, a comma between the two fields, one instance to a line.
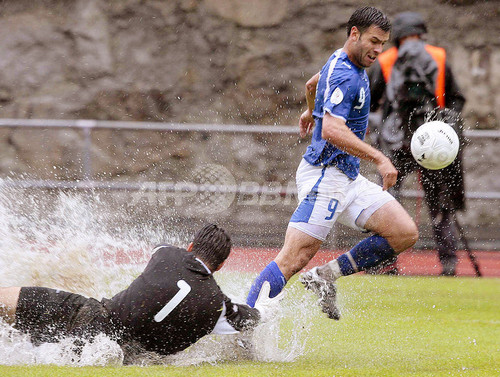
x=173, y=303
x=329, y=185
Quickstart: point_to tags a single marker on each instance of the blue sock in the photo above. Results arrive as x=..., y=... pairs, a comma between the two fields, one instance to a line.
x=274, y=276
x=368, y=253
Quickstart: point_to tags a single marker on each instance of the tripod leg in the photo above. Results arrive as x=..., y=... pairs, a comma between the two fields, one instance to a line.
x=470, y=254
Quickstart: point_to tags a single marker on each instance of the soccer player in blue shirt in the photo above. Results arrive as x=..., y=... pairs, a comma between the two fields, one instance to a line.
x=329, y=185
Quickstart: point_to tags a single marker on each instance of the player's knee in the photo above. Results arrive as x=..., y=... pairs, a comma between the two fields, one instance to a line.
x=406, y=237
x=412, y=236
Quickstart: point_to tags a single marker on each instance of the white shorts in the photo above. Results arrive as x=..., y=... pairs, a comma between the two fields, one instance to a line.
x=327, y=195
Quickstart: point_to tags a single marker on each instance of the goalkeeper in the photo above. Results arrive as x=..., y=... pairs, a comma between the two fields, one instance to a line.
x=172, y=304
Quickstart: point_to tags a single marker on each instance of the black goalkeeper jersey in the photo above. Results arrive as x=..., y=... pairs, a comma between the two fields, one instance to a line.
x=175, y=302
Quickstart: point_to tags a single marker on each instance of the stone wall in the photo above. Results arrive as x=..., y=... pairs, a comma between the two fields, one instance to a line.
x=210, y=60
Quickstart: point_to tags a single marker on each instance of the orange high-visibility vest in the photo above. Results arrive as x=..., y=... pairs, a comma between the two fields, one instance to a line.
x=389, y=57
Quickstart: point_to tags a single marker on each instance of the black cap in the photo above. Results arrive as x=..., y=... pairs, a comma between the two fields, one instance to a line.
x=408, y=23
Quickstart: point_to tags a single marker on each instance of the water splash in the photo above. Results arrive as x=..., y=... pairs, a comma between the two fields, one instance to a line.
x=82, y=243
x=16, y=348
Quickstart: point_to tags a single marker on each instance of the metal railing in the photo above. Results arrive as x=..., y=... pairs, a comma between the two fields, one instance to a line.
x=88, y=125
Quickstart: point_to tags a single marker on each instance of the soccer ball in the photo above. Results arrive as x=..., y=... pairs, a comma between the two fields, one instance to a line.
x=434, y=145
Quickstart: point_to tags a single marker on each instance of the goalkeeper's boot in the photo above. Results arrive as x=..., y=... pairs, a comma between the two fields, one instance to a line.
x=325, y=289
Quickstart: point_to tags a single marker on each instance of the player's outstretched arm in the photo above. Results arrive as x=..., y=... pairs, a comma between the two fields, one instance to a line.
x=336, y=132
x=306, y=121
x=240, y=317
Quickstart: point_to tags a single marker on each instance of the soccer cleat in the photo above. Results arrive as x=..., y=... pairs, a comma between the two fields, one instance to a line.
x=325, y=289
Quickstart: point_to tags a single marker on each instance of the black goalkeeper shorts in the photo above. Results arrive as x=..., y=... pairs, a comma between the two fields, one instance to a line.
x=49, y=315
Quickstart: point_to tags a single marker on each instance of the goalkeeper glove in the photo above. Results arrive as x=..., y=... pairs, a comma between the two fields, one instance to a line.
x=267, y=307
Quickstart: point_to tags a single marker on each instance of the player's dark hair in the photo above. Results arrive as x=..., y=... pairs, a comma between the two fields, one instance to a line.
x=365, y=17
x=212, y=245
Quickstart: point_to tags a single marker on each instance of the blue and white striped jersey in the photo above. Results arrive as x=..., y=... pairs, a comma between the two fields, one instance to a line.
x=343, y=91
